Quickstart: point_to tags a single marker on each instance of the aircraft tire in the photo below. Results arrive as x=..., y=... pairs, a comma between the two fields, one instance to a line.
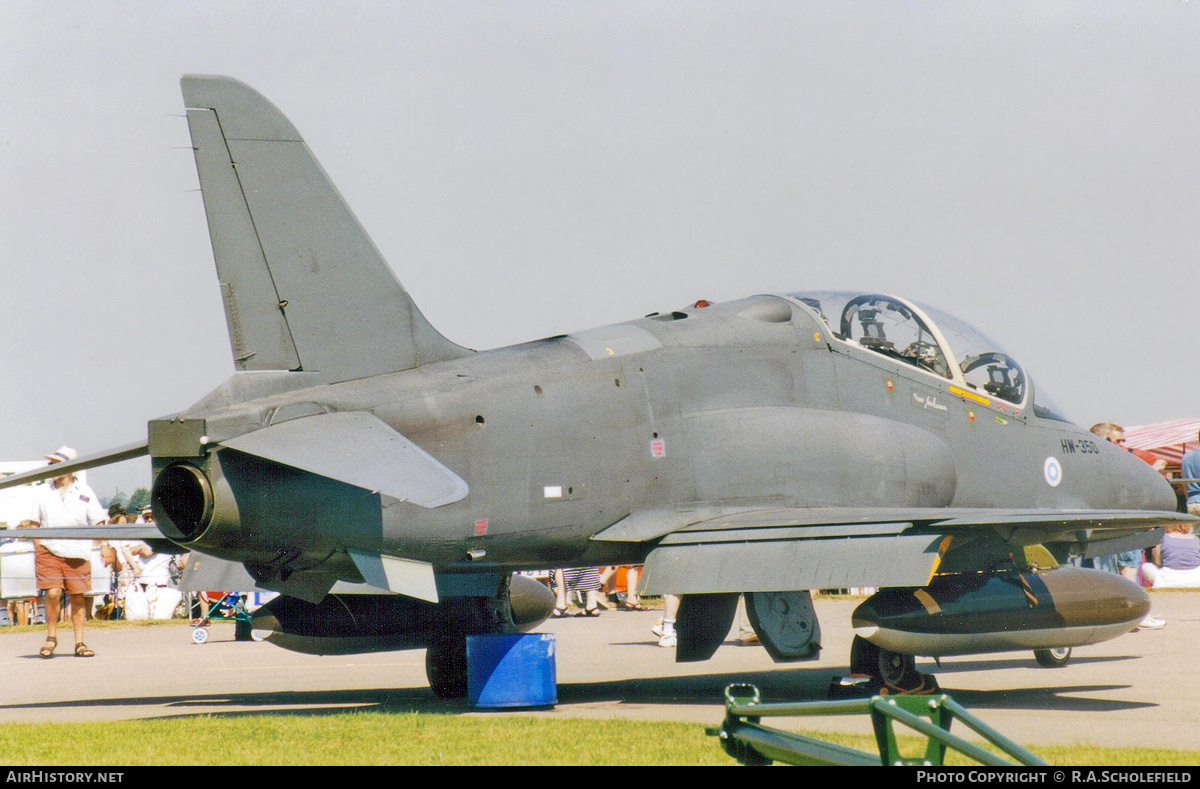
x=899, y=671
x=446, y=666
x=1053, y=658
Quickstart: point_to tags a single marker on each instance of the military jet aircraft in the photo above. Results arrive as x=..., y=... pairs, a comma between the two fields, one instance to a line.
x=763, y=447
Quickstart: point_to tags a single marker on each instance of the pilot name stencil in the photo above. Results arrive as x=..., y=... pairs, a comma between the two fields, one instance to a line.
x=929, y=402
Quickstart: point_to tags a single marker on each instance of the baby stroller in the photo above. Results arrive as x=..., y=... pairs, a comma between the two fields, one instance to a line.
x=222, y=607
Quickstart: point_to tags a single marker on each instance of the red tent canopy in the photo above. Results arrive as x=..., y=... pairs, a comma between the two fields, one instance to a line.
x=1168, y=440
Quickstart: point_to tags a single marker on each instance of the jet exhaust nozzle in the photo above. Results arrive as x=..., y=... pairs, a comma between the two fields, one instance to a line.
x=202, y=503
x=182, y=501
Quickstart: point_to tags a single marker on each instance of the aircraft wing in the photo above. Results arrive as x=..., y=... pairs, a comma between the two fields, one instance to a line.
x=145, y=531
x=777, y=549
x=127, y=452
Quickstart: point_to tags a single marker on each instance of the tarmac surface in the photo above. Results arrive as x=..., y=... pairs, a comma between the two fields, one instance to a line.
x=1136, y=690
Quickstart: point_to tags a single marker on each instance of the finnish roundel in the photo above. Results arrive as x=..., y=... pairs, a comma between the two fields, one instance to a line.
x=1053, y=472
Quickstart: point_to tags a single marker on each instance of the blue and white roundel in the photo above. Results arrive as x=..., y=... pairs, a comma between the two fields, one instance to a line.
x=1052, y=471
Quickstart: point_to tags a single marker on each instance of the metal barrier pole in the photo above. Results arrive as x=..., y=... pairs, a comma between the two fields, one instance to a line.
x=744, y=737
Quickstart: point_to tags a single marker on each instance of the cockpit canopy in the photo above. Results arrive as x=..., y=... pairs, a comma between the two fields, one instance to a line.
x=921, y=336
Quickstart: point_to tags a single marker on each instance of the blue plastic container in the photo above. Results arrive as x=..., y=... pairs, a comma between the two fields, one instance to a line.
x=511, y=670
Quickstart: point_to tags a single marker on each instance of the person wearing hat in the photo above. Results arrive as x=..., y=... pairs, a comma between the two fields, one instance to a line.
x=64, y=564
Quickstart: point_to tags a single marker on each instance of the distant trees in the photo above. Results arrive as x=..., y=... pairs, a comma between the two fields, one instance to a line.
x=139, y=500
x=134, y=503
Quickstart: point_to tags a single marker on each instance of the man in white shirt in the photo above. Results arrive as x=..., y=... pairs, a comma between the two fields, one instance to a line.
x=65, y=564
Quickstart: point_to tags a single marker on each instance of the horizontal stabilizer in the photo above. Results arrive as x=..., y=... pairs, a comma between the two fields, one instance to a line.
x=357, y=448
x=128, y=452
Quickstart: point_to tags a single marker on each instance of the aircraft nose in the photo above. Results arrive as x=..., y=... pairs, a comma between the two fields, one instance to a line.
x=1138, y=485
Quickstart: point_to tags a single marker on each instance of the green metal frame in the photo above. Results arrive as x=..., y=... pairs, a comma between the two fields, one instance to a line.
x=744, y=738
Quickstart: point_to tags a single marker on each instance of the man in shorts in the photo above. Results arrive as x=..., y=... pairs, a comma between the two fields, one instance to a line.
x=64, y=564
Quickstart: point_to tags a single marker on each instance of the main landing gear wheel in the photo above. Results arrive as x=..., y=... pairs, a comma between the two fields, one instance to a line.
x=899, y=671
x=446, y=666
x=1053, y=658
x=892, y=672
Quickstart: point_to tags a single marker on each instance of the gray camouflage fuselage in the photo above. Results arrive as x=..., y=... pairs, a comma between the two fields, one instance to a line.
x=746, y=403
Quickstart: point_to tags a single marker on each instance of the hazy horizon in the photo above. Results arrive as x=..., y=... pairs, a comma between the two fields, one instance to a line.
x=531, y=169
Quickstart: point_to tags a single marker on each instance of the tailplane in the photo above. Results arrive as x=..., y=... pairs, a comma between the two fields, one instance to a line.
x=304, y=287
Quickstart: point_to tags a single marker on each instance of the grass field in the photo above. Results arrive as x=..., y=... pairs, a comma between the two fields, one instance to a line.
x=373, y=738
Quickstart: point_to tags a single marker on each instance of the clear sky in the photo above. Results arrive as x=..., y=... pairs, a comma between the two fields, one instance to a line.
x=533, y=168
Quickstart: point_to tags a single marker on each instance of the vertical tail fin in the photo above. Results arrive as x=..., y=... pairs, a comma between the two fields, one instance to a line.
x=303, y=285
